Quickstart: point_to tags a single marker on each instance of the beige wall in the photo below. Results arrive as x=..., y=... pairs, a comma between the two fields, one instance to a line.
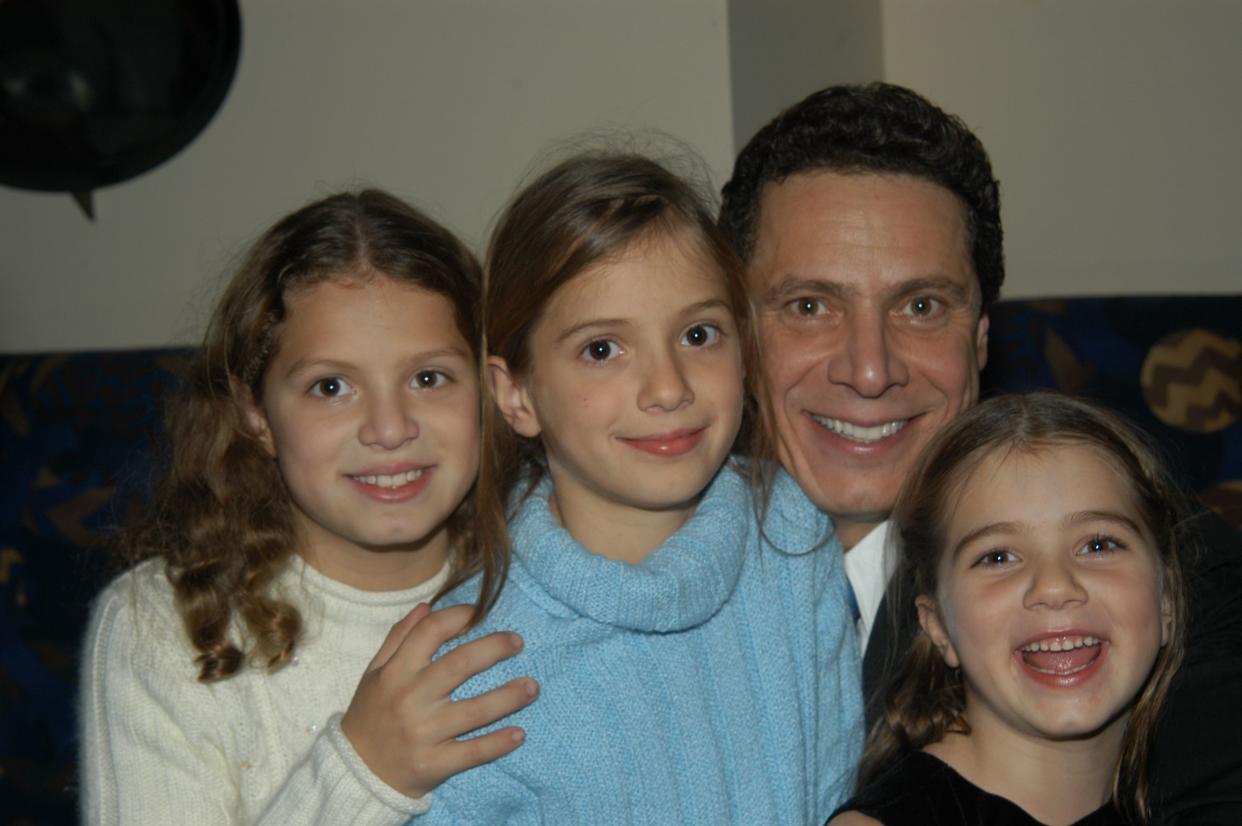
x=445, y=102
x=1113, y=124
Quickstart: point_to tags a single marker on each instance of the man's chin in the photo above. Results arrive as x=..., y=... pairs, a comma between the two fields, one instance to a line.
x=853, y=528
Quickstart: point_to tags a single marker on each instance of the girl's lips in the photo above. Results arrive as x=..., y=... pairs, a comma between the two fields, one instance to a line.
x=392, y=487
x=668, y=444
x=1062, y=661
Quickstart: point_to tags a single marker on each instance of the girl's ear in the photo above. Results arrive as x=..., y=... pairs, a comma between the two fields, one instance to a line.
x=256, y=418
x=512, y=399
x=933, y=626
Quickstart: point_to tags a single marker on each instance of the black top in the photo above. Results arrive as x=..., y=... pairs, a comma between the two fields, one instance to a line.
x=921, y=790
x=1196, y=761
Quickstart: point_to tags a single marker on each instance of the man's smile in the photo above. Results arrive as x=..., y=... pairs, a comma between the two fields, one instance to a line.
x=868, y=434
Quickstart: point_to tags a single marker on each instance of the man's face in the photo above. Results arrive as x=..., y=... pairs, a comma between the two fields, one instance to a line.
x=873, y=339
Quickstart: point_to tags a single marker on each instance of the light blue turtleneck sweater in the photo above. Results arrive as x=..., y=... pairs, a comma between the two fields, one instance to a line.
x=715, y=682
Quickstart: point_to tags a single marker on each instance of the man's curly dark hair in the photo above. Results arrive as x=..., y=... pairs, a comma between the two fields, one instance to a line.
x=871, y=128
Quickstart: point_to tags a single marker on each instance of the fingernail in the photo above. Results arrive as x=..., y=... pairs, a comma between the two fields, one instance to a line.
x=516, y=640
x=532, y=688
x=518, y=735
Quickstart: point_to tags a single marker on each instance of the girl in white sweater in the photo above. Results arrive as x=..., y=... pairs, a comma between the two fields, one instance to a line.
x=320, y=485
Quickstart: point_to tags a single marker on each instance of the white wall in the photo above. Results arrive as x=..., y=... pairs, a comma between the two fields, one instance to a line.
x=782, y=50
x=1114, y=126
x=444, y=102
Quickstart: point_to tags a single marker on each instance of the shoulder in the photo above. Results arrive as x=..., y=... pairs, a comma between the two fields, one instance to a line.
x=854, y=819
x=792, y=522
x=914, y=784
x=140, y=598
x=135, y=622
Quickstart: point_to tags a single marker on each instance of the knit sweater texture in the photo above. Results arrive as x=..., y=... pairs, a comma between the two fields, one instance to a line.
x=715, y=682
x=160, y=747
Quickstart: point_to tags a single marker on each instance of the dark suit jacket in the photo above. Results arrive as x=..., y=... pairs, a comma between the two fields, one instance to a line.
x=1196, y=766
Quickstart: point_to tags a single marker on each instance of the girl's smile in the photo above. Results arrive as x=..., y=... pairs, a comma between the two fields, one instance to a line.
x=634, y=389
x=370, y=405
x=1050, y=594
x=667, y=444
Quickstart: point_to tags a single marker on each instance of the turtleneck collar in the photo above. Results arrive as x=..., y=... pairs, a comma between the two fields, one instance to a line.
x=680, y=585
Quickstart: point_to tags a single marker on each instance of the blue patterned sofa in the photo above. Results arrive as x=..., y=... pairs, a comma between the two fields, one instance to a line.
x=78, y=431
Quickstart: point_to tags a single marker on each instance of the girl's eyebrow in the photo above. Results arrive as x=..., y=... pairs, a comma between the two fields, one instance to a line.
x=988, y=530
x=690, y=309
x=1104, y=516
x=303, y=365
x=586, y=325
x=709, y=304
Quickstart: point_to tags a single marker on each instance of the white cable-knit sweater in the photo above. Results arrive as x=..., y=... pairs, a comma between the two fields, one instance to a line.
x=160, y=747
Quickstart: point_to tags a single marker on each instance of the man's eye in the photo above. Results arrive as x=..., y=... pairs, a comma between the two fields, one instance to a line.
x=601, y=350
x=429, y=379
x=924, y=306
x=806, y=307
x=701, y=335
x=330, y=388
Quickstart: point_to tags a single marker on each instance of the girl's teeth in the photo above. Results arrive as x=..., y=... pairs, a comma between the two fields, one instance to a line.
x=1061, y=644
x=394, y=480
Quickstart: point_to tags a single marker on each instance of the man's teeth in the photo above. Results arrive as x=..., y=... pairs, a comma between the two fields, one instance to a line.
x=394, y=480
x=858, y=433
x=1061, y=644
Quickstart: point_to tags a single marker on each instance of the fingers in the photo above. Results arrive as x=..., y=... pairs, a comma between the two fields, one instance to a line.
x=464, y=716
x=466, y=754
x=446, y=674
x=433, y=631
x=397, y=635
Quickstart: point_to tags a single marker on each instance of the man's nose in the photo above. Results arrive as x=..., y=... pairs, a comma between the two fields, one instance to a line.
x=867, y=360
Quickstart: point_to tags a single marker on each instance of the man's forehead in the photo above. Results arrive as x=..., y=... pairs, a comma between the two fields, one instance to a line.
x=855, y=233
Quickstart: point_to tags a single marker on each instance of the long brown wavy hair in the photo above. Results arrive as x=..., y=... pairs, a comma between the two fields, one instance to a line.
x=221, y=515
x=587, y=209
x=924, y=699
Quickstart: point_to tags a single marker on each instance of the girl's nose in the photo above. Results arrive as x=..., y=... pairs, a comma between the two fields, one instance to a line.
x=389, y=422
x=664, y=385
x=1054, y=584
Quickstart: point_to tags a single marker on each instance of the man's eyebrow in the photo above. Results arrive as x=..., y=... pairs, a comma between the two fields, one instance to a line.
x=934, y=283
x=990, y=529
x=792, y=286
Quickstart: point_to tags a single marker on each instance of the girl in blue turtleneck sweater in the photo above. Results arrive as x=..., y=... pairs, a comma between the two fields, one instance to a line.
x=685, y=613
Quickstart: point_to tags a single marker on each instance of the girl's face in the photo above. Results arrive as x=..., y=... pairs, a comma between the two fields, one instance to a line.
x=635, y=385
x=1049, y=595
x=370, y=406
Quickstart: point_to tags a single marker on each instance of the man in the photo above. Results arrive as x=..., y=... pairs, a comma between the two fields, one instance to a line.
x=869, y=222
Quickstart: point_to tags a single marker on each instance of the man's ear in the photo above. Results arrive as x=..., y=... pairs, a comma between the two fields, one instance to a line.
x=511, y=398
x=256, y=418
x=933, y=626
x=981, y=340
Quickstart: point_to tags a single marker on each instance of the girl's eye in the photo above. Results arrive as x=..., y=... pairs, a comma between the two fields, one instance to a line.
x=601, y=350
x=995, y=558
x=701, y=335
x=429, y=379
x=331, y=388
x=1100, y=545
